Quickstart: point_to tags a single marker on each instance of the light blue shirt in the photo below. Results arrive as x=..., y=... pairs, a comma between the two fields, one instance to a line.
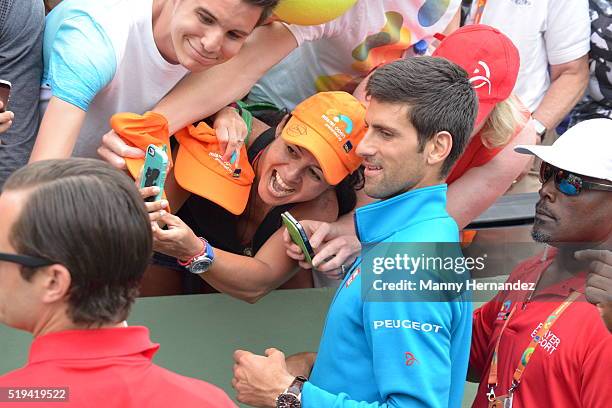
x=79, y=59
x=421, y=360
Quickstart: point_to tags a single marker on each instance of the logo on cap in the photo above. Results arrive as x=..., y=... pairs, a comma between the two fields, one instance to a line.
x=339, y=124
x=348, y=146
x=224, y=164
x=484, y=79
x=297, y=130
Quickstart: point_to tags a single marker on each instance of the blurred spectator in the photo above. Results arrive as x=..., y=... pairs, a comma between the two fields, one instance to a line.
x=597, y=102
x=74, y=243
x=101, y=58
x=547, y=347
x=552, y=39
x=21, y=35
x=342, y=53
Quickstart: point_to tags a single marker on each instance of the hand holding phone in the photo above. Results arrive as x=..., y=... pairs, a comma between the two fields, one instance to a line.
x=154, y=171
x=298, y=235
x=5, y=92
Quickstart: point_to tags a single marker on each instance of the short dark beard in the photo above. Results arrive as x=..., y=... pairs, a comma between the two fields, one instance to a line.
x=539, y=236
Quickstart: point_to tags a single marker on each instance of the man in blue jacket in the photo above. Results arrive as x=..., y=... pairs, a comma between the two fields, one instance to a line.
x=388, y=353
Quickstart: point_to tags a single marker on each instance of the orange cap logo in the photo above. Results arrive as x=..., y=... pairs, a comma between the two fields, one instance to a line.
x=340, y=125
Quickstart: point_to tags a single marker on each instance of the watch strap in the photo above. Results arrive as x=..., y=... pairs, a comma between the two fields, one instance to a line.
x=296, y=386
x=539, y=127
x=202, y=252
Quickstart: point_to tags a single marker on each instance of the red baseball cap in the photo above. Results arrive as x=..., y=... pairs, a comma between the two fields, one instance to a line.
x=490, y=59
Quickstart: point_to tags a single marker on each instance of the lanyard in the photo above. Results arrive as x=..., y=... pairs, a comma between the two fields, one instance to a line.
x=479, y=10
x=528, y=353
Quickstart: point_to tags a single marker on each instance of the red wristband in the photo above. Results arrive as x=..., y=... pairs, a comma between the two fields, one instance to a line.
x=202, y=252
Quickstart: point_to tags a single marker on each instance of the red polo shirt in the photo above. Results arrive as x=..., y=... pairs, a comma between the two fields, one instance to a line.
x=108, y=368
x=572, y=364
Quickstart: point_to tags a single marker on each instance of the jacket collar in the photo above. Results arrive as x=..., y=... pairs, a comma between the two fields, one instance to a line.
x=377, y=221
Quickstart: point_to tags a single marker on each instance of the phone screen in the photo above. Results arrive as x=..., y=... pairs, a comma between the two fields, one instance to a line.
x=5, y=91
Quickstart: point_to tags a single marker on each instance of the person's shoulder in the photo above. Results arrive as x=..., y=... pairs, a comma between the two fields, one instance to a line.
x=436, y=229
x=188, y=391
x=23, y=376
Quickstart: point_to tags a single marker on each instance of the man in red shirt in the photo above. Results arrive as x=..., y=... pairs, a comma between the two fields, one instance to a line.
x=75, y=240
x=549, y=347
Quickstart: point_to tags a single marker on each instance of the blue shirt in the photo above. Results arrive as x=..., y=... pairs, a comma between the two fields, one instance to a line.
x=79, y=57
x=420, y=357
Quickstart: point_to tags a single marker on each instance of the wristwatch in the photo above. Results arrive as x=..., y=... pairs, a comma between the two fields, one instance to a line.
x=202, y=261
x=539, y=128
x=292, y=396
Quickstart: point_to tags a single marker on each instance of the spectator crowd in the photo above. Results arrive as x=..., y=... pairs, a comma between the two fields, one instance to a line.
x=186, y=137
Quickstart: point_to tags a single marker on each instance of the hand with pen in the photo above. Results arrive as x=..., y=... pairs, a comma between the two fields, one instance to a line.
x=231, y=132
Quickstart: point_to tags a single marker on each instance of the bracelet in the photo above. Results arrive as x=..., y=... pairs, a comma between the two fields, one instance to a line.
x=202, y=252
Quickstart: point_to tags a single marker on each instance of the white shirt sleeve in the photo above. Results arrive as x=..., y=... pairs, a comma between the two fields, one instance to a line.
x=317, y=32
x=568, y=30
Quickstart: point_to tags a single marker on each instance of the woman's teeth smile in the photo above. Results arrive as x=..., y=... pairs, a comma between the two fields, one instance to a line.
x=278, y=186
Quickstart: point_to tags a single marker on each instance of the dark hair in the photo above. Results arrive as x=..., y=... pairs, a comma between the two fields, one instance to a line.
x=346, y=191
x=89, y=217
x=438, y=94
x=267, y=6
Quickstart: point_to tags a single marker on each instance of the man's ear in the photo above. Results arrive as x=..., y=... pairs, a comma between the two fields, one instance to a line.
x=55, y=281
x=438, y=148
x=281, y=125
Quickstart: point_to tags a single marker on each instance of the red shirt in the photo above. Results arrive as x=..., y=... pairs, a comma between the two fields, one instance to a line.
x=572, y=365
x=108, y=368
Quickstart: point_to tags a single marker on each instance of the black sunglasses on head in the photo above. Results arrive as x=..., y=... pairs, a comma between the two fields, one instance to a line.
x=25, y=260
x=569, y=183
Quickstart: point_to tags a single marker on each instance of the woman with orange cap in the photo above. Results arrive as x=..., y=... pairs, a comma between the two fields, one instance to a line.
x=228, y=232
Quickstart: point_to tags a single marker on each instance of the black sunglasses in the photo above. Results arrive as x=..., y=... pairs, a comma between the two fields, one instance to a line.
x=25, y=260
x=569, y=183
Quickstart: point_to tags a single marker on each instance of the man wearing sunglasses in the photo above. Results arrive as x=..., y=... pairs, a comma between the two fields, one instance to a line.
x=548, y=347
x=75, y=240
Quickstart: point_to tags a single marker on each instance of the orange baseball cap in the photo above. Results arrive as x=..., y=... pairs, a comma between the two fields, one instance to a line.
x=329, y=125
x=141, y=131
x=201, y=170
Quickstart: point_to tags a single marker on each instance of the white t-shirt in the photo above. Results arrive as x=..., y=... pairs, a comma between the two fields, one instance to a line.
x=337, y=55
x=101, y=57
x=546, y=32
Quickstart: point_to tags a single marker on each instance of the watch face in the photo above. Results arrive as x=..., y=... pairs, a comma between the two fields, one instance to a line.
x=200, y=265
x=288, y=401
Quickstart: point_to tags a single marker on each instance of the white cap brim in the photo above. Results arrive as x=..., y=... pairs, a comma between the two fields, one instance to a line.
x=566, y=160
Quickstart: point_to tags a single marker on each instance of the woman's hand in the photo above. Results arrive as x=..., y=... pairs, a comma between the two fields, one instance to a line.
x=332, y=247
x=178, y=240
x=231, y=131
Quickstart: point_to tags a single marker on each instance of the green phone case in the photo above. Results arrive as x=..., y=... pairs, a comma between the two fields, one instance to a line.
x=298, y=235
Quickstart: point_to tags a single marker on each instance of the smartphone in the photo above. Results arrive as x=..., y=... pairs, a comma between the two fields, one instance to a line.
x=298, y=235
x=154, y=170
x=5, y=92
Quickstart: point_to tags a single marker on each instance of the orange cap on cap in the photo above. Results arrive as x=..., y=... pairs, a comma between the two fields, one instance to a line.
x=329, y=125
x=200, y=169
x=140, y=131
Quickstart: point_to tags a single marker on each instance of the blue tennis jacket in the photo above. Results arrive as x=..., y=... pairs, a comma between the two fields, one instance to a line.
x=394, y=354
